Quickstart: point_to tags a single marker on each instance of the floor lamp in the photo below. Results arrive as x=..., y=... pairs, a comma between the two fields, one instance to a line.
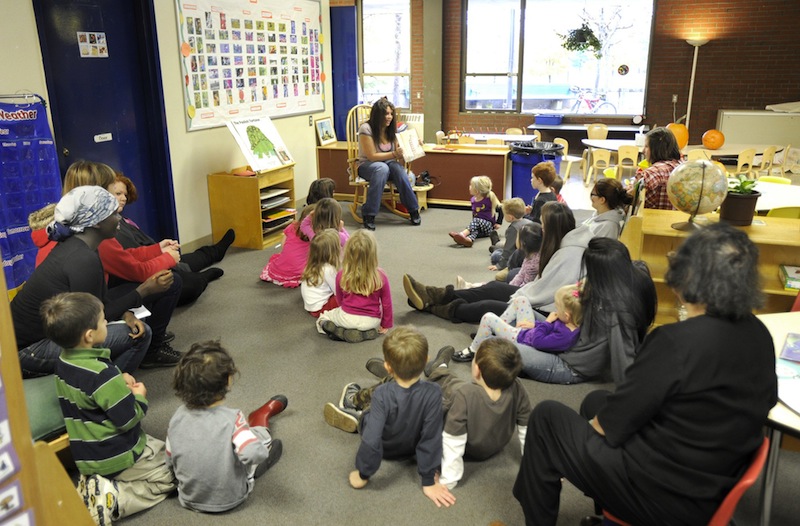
x=696, y=42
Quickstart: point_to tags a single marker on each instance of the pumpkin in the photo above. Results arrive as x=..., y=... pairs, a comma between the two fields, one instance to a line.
x=713, y=139
x=681, y=133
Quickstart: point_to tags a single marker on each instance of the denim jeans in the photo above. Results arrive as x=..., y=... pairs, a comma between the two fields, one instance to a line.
x=39, y=359
x=378, y=173
x=546, y=367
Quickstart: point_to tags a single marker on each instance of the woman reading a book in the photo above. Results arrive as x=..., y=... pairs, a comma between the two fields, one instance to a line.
x=677, y=434
x=381, y=160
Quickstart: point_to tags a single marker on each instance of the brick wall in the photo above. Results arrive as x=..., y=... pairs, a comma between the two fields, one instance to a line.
x=752, y=60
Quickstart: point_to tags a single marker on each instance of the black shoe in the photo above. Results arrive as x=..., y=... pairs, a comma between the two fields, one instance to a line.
x=415, y=219
x=333, y=331
x=376, y=367
x=357, y=336
x=443, y=357
x=494, y=237
x=369, y=222
x=275, y=452
x=168, y=337
x=212, y=274
x=221, y=247
x=162, y=355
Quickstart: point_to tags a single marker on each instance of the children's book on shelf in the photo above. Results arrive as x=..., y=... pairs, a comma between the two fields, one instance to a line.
x=260, y=142
x=790, y=276
x=410, y=143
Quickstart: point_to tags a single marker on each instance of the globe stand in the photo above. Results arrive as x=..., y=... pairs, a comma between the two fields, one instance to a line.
x=690, y=225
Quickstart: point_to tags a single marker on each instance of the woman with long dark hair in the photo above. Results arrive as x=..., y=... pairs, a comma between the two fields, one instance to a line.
x=608, y=200
x=380, y=159
x=662, y=152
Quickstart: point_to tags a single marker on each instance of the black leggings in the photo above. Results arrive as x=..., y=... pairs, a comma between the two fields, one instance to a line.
x=492, y=296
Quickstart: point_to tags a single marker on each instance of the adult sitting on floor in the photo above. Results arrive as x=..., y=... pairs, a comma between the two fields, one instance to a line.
x=619, y=305
x=559, y=265
x=83, y=218
x=142, y=255
x=678, y=433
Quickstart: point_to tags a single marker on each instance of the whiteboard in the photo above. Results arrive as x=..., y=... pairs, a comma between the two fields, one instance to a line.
x=759, y=127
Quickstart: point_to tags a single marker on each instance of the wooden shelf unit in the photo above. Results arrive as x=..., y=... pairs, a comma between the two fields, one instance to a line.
x=650, y=237
x=236, y=202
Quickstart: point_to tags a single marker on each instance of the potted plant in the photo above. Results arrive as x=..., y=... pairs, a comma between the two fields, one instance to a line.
x=739, y=206
x=582, y=39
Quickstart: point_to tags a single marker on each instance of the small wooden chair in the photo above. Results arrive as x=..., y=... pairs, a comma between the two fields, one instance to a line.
x=466, y=139
x=627, y=153
x=698, y=155
x=744, y=163
x=495, y=140
x=598, y=131
x=357, y=116
x=567, y=158
x=784, y=162
x=765, y=164
x=601, y=160
x=514, y=131
x=791, y=212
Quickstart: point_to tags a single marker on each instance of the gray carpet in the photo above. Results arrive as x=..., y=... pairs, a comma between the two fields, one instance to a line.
x=277, y=350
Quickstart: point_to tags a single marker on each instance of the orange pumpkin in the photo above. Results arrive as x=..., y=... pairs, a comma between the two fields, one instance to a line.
x=681, y=133
x=713, y=139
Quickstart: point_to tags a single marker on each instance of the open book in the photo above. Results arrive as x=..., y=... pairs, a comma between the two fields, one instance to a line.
x=410, y=143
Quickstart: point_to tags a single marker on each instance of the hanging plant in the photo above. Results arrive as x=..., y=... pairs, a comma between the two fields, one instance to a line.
x=582, y=39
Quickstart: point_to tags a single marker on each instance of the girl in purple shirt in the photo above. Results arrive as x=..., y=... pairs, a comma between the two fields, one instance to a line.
x=557, y=334
x=484, y=203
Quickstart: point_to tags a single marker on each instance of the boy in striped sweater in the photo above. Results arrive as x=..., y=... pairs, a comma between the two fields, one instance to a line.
x=123, y=470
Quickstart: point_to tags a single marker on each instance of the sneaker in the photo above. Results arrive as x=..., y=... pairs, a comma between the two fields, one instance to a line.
x=376, y=367
x=443, y=357
x=369, y=222
x=162, y=355
x=357, y=336
x=414, y=217
x=275, y=452
x=100, y=495
x=465, y=355
x=348, y=393
x=344, y=419
x=333, y=331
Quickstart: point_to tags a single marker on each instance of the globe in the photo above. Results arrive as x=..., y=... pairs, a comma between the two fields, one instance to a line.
x=697, y=187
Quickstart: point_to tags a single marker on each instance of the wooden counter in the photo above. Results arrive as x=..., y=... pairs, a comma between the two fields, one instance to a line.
x=650, y=237
x=451, y=168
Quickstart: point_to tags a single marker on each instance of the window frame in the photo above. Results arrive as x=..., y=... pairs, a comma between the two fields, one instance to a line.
x=518, y=100
x=360, y=50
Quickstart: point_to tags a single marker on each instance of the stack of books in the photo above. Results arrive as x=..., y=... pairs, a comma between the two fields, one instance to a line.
x=790, y=276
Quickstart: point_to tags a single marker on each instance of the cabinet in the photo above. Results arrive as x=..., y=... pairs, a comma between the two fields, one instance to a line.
x=258, y=207
x=649, y=237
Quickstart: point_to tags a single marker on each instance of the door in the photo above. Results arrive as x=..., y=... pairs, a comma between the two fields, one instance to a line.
x=104, y=80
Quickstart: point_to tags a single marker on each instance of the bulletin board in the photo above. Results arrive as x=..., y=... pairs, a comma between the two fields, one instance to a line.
x=250, y=58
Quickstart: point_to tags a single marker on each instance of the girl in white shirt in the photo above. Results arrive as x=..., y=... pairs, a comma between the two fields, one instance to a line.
x=318, y=285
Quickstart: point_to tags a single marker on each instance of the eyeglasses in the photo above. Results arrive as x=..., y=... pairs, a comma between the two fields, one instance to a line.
x=594, y=195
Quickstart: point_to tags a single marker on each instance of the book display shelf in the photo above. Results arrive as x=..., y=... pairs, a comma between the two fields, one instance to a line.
x=650, y=237
x=257, y=206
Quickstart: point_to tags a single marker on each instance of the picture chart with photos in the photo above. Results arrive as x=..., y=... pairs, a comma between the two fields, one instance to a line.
x=250, y=58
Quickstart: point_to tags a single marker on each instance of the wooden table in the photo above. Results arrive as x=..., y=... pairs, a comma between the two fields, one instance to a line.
x=781, y=419
x=730, y=150
x=451, y=167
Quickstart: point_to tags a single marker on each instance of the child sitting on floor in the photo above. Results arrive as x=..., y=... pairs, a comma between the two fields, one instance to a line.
x=362, y=292
x=286, y=267
x=484, y=202
x=529, y=242
x=556, y=334
x=513, y=210
x=122, y=468
x=542, y=177
x=318, y=286
x=397, y=419
x=216, y=455
x=327, y=213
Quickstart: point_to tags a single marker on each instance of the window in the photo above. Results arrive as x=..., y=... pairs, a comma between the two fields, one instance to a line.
x=386, y=51
x=546, y=77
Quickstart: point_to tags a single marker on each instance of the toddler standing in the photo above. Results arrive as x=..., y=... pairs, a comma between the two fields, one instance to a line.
x=484, y=222
x=362, y=292
x=215, y=454
x=556, y=334
x=318, y=286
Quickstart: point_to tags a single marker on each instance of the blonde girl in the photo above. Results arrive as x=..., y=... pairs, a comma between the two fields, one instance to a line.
x=484, y=203
x=556, y=334
x=327, y=213
x=362, y=292
x=318, y=285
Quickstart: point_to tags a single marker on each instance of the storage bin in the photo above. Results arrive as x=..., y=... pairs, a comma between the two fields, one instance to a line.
x=548, y=118
x=524, y=156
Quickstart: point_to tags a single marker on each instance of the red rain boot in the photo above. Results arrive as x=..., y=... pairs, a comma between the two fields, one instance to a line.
x=260, y=417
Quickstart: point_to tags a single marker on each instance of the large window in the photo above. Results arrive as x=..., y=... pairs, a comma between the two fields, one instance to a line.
x=515, y=59
x=386, y=50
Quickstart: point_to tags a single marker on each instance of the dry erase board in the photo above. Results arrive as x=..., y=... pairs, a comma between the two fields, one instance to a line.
x=759, y=127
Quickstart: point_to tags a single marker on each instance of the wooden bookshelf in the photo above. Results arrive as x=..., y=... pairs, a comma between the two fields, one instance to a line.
x=258, y=207
x=650, y=237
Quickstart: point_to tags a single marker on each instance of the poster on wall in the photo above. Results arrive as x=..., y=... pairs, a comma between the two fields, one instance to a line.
x=249, y=58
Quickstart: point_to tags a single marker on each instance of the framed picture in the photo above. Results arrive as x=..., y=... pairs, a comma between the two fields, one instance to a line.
x=325, y=132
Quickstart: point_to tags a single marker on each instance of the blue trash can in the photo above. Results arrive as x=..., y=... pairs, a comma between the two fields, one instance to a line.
x=524, y=156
